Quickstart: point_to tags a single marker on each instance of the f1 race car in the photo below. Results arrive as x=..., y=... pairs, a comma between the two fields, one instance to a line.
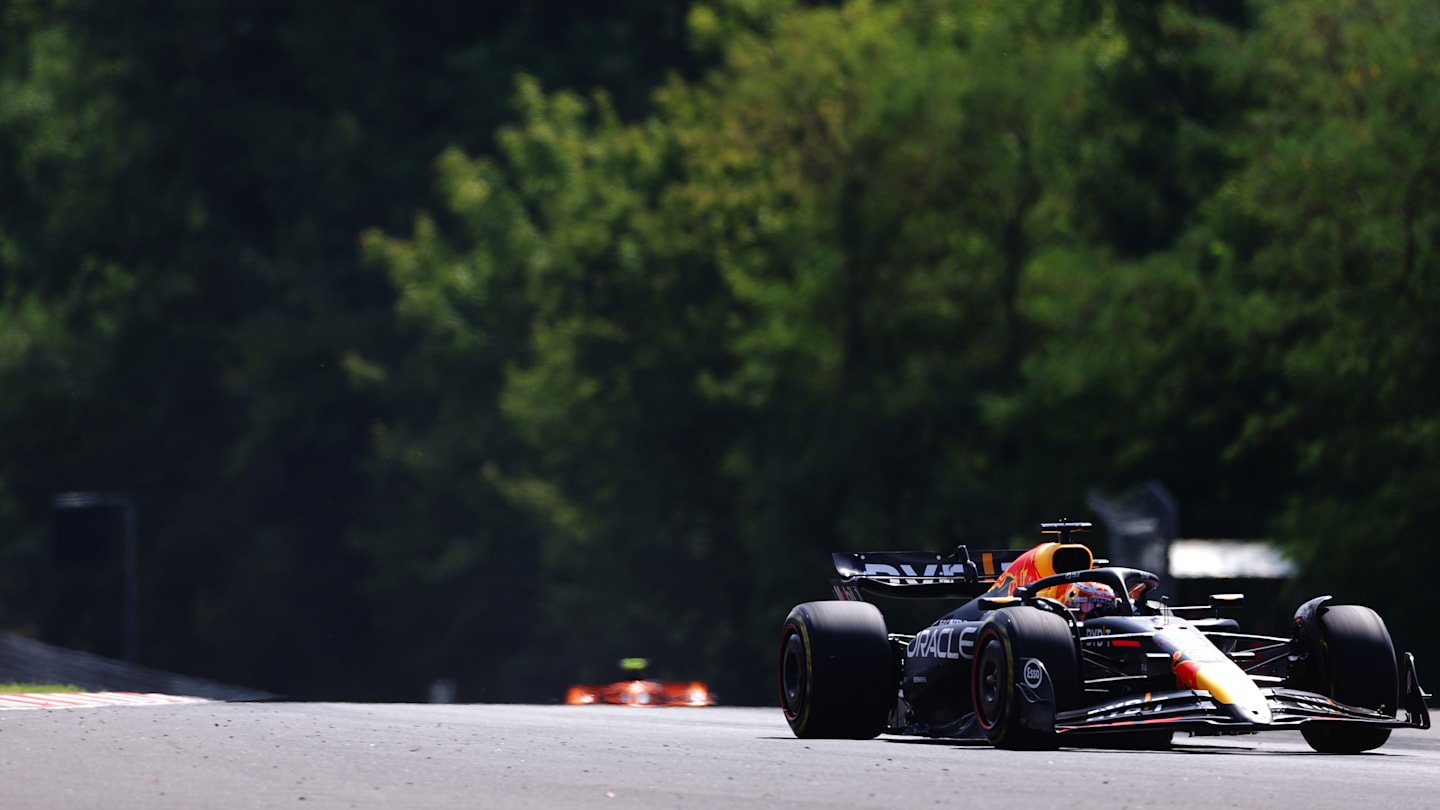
x=638, y=690
x=1053, y=647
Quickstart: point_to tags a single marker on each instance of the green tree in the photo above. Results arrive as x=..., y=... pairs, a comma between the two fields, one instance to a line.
x=183, y=191
x=1275, y=365
x=1128, y=376
x=761, y=324
x=1329, y=236
x=573, y=283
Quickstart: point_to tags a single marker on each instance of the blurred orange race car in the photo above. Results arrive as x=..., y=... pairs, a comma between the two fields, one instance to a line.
x=638, y=690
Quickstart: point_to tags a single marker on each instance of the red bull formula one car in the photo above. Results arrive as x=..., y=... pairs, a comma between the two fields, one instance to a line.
x=1052, y=647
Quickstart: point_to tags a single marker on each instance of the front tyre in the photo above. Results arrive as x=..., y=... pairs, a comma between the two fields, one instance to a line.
x=837, y=679
x=1007, y=639
x=1356, y=666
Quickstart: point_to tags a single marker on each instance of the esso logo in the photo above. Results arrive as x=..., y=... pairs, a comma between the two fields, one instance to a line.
x=1034, y=674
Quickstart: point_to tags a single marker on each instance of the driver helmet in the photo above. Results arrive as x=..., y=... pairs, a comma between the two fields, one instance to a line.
x=1090, y=599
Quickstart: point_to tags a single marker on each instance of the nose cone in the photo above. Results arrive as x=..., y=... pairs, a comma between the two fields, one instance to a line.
x=1230, y=686
x=1259, y=714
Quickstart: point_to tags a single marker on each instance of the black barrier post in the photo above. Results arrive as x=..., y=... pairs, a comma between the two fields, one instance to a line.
x=122, y=501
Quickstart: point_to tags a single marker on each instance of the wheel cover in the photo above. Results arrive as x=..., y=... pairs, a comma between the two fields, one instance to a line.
x=991, y=682
x=794, y=680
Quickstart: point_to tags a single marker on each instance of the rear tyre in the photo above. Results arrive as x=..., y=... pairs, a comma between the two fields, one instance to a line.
x=837, y=679
x=1007, y=639
x=1356, y=666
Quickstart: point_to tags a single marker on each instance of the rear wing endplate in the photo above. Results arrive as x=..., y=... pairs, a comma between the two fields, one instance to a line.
x=960, y=574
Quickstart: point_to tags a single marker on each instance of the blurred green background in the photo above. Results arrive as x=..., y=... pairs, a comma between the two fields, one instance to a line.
x=495, y=342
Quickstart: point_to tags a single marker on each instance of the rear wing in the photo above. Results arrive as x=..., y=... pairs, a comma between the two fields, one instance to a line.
x=919, y=574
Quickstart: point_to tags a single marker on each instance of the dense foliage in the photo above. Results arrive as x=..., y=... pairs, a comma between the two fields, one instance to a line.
x=497, y=345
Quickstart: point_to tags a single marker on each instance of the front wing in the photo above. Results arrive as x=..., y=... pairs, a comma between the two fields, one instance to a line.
x=1198, y=712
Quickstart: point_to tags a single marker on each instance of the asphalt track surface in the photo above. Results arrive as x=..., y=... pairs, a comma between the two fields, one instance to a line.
x=335, y=755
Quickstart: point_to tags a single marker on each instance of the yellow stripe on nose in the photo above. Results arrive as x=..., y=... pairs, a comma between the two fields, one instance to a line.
x=1228, y=684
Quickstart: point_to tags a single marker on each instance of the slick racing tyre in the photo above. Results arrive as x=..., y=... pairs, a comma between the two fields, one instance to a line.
x=837, y=679
x=1008, y=638
x=1356, y=666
